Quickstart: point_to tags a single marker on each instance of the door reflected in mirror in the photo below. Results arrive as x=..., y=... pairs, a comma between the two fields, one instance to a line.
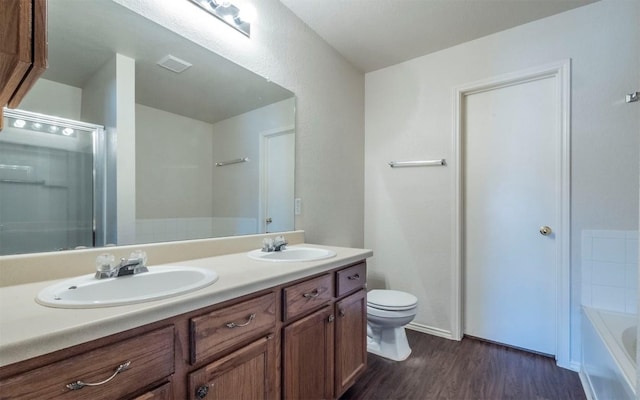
x=103, y=70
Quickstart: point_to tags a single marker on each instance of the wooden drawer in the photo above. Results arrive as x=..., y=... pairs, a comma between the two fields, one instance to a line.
x=351, y=279
x=151, y=359
x=306, y=296
x=219, y=330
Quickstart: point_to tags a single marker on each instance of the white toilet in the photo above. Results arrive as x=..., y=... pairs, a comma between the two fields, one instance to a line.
x=388, y=311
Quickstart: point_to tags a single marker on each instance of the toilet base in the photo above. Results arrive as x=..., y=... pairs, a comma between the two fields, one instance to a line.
x=389, y=343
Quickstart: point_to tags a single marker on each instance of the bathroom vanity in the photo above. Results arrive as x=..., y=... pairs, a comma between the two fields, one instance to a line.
x=264, y=330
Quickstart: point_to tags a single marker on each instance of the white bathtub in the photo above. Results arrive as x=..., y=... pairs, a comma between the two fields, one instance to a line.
x=609, y=354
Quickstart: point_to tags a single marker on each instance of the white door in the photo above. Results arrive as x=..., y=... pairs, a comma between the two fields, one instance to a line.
x=279, y=164
x=510, y=138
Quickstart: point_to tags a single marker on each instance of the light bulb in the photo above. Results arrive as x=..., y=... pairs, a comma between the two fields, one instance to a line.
x=36, y=125
x=67, y=131
x=53, y=129
x=19, y=123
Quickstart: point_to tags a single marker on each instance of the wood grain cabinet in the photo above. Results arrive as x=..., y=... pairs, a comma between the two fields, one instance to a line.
x=300, y=340
x=308, y=356
x=23, y=48
x=350, y=340
x=249, y=372
x=326, y=351
x=163, y=392
x=246, y=374
x=111, y=372
x=222, y=329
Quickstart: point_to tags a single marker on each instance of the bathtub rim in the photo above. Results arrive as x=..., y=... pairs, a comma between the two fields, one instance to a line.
x=613, y=345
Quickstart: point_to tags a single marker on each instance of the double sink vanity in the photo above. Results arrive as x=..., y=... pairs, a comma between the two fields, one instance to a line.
x=290, y=325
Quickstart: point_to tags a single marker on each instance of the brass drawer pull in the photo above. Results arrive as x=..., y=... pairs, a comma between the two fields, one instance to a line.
x=77, y=385
x=315, y=293
x=234, y=325
x=354, y=277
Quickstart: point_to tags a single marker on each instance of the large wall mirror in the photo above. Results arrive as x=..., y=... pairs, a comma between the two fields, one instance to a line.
x=214, y=143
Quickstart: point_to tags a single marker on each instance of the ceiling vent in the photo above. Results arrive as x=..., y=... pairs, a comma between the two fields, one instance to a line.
x=173, y=64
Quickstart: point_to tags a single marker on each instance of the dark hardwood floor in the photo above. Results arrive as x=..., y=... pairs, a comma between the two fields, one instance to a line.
x=470, y=369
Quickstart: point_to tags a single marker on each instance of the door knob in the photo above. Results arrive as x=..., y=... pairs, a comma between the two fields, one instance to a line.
x=545, y=230
x=269, y=220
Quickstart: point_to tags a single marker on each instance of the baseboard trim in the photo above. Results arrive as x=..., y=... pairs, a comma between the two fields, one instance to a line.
x=573, y=366
x=430, y=330
x=586, y=386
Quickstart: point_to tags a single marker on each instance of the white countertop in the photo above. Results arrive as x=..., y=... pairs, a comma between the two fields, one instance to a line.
x=28, y=329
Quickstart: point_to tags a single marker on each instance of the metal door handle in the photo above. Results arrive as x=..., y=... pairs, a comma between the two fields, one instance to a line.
x=269, y=220
x=313, y=294
x=77, y=385
x=235, y=325
x=545, y=230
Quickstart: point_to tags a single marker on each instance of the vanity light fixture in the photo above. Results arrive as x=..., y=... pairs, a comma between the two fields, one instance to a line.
x=46, y=127
x=230, y=14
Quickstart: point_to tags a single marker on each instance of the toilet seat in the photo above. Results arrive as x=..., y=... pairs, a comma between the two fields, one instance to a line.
x=391, y=300
x=391, y=314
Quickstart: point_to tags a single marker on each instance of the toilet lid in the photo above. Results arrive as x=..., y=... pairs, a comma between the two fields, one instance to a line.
x=391, y=300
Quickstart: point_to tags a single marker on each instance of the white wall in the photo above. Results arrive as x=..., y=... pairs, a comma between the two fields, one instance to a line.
x=409, y=115
x=173, y=158
x=329, y=106
x=53, y=98
x=236, y=187
x=108, y=99
x=176, y=155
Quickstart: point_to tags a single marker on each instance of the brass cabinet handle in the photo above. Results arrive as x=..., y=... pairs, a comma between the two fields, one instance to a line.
x=234, y=325
x=77, y=385
x=315, y=293
x=354, y=277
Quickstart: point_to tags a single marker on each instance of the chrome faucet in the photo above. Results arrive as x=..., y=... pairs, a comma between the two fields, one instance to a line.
x=130, y=266
x=276, y=244
x=135, y=264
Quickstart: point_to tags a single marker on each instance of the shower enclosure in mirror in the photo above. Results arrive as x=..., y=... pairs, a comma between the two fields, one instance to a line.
x=174, y=114
x=51, y=183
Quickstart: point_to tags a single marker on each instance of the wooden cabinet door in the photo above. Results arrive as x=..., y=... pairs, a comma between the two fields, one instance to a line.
x=246, y=374
x=350, y=340
x=308, y=357
x=15, y=46
x=23, y=48
x=164, y=392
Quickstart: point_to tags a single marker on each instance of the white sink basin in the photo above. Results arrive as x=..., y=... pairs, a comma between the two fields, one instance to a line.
x=292, y=254
x=160, y=282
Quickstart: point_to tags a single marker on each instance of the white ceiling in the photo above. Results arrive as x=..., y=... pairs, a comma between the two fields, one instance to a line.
x=374, y=34
x=83, y=35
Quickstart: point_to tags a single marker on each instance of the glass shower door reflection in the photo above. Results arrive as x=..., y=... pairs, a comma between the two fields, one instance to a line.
x=46, y=183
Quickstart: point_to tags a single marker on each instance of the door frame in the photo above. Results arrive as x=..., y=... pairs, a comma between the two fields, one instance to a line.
x=561, y=72
x=263, y=182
